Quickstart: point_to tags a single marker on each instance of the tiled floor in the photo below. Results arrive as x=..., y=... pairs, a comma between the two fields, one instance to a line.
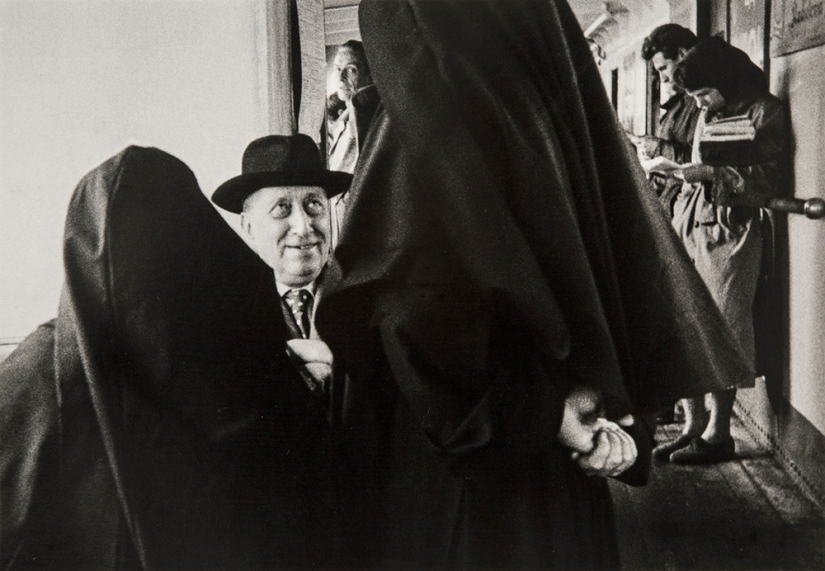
x=742, y=514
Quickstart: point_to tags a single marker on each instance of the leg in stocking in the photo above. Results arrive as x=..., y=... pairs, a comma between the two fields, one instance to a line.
x=720, y=404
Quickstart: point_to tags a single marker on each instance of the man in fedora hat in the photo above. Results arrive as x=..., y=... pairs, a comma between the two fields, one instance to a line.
x=159, y=422
x=283, y=197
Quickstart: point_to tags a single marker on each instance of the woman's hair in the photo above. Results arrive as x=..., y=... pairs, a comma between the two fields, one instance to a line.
x=668, y=39
x=714, y=63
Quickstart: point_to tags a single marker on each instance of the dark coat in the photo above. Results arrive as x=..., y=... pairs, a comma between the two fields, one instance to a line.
x=502, y=246
x=158, y=422
x=676, y=127
x=675, y=133
x=725, y=242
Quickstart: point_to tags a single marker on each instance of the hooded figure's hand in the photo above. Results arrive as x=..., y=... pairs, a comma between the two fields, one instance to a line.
x=599, y=447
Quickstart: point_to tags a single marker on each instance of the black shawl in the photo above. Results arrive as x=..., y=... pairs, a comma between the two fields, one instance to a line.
x=499, y=140
x=158, y=423
x=502, y=245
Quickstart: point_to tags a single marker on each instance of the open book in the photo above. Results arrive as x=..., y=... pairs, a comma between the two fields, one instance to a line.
x=661, y=165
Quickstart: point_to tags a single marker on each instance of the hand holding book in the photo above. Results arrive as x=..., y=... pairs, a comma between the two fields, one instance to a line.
x=696, y=173
x=662, y=165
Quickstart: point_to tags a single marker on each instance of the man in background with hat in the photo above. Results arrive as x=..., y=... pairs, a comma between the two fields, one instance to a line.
x=283, y=197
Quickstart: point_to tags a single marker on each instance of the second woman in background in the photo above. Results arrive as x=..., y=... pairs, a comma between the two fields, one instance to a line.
x=714, y=216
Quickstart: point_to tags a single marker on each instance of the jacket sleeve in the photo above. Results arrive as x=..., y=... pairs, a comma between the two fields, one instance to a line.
x=678, y=146
x=766, y=177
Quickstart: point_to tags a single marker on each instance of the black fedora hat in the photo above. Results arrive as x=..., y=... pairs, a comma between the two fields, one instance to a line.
x=278, y=160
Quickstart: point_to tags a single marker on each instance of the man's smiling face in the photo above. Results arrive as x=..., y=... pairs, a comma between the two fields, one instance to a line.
x=289, y=228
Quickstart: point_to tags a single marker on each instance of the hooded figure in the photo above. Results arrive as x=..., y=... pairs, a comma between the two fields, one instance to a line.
x=158, y=422
x=502, y=248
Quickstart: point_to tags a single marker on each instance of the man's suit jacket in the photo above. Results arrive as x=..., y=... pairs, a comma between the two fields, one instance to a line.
x=158, y=421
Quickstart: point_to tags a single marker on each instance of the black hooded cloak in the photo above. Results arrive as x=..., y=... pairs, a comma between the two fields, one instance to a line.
x=158, y=422
x=501, y=247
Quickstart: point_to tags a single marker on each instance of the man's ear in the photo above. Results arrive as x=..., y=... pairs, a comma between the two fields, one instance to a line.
x=682, y=53
x=246, y=226
x=246, y=232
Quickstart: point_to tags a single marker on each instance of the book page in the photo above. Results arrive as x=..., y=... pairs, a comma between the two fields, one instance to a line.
x=661, y=165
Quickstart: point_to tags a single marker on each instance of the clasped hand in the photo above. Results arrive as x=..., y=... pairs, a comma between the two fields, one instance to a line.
x=598, y=446
x=313, y=359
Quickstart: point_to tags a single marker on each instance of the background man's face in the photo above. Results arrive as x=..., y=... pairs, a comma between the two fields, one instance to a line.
x=289, y=228
x=665, y=67
x=350, y=73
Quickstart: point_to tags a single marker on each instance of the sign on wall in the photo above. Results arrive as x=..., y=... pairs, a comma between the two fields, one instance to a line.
x=747, y=28
x=797, y=25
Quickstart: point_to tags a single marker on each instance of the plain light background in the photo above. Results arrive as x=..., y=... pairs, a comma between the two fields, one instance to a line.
x=79, y=81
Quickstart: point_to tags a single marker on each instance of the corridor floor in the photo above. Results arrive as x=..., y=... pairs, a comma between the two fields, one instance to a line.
x=742, y=514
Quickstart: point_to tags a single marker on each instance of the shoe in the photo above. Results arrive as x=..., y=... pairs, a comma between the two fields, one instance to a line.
x=703, y=452
x=663, y=451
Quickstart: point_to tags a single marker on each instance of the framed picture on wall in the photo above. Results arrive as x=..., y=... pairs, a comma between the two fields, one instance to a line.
x=796, y=25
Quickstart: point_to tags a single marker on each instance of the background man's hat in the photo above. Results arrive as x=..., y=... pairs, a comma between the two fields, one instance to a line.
x=278, y=160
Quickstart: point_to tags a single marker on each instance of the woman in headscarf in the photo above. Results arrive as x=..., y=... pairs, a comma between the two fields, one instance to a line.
x=503, y=262
x=720, y=233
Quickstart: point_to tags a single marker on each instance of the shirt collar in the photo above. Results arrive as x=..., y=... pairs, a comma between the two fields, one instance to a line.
x=675, y=100
x=282, y=289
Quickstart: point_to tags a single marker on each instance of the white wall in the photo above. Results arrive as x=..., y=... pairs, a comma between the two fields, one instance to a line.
x=82, y=79
x=622, y=42
x=800, y=79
